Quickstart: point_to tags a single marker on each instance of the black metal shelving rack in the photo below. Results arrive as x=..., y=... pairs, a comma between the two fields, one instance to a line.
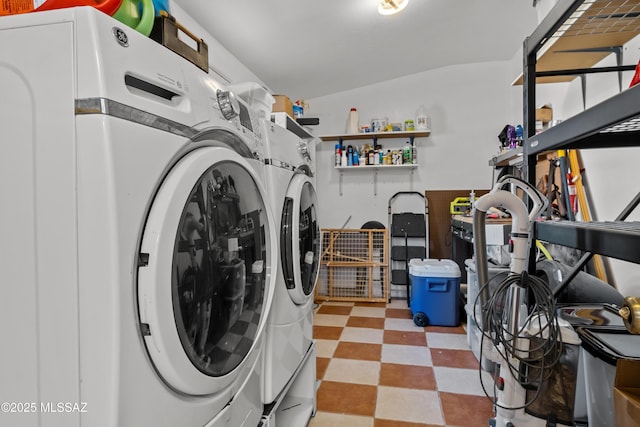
x=614, y=122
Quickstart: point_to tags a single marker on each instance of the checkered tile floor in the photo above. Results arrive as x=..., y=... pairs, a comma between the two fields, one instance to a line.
x=376, y=368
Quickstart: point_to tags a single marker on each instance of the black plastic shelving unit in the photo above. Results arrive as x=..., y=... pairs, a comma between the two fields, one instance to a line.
x=612, y=123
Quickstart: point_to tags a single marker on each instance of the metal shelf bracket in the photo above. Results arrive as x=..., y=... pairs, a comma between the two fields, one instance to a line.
x=614, y=49
x=375, y=182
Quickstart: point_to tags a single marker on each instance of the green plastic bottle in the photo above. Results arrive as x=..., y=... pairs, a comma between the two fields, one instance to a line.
x=406, y=154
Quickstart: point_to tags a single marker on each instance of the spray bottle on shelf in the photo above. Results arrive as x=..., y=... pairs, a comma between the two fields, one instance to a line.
x=343, y=159
x=338, y=155
x=406, y=154
x=414, y=153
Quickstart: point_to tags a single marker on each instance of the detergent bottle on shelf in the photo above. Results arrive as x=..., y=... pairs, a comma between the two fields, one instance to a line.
x=353, y=122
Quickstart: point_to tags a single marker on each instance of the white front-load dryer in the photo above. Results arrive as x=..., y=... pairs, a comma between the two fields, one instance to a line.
x=290, y=183
x=136, y=233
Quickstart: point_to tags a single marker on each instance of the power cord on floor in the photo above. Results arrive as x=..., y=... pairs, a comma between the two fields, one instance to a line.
x=537, y=345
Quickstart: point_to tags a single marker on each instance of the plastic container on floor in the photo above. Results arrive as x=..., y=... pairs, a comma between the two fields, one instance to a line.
x=593, y=316
x=496, y=275
x=475, y=340
x=601, y=349
x=435, y=290
x=474, y=312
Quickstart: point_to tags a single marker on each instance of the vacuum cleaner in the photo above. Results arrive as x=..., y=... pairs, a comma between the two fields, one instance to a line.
x=521, y=333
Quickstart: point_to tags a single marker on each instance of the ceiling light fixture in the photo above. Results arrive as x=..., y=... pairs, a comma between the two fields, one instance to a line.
x=390, y=7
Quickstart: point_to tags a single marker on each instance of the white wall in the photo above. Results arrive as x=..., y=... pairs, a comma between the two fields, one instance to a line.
x=468, y=104
x=222, y=64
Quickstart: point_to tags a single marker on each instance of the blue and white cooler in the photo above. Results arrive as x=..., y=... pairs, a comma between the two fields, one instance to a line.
x=434, y=293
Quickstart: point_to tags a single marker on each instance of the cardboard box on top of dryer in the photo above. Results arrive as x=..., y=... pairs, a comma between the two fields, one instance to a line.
x=282, y=105
x=626, y=393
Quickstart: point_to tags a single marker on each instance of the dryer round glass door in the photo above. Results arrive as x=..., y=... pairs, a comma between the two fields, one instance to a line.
x=300, y=239
x=204, y=283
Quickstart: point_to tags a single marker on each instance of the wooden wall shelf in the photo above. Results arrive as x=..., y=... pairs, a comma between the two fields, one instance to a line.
x=378, y=135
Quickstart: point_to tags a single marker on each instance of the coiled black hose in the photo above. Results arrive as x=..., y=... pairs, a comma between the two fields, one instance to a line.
x=536, y=348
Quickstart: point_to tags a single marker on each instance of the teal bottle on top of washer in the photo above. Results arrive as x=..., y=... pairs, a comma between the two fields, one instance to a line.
x=159, y=5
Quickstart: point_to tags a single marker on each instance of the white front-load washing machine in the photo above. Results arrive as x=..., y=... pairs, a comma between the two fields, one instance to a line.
x=138, y=246
x=290, y=181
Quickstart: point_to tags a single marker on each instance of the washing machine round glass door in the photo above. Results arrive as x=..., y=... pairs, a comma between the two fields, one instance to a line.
x=207, y=260
x=300, y=239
